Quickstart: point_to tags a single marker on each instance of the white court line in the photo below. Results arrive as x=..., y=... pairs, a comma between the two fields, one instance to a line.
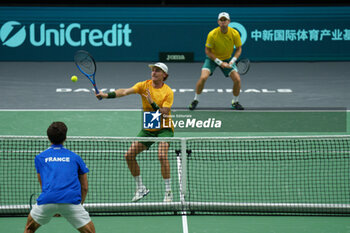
x=182, y=198
x=184, y=224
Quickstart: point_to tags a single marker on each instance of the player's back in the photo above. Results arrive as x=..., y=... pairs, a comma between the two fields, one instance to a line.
x=59, y=169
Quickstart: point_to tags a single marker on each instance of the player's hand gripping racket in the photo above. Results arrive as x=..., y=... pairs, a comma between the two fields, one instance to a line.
x=87, y=65
x=243, y=66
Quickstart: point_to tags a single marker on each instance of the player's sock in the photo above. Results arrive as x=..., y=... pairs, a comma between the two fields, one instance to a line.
x=138, y=180
x=196, y=97
x=235, y=99
x=167, y=184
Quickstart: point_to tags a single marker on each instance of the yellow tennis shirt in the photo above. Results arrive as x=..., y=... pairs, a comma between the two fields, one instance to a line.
x=222, y=45
x=163, y=97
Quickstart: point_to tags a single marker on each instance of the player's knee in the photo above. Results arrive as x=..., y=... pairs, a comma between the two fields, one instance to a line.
x=163, y=155
x=31, y=228
x=130, y=156
x=88, y=228
x=31, y=225
x=162, y=158
x=203, y=78
x=163, y=146
x=235, y=77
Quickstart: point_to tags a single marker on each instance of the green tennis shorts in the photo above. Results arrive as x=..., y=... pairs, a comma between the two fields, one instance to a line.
x=211, y=66
x=160, y=133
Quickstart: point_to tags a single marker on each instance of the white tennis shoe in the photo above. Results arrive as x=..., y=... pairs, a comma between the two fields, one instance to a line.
x=168, y=196
x=140, y=193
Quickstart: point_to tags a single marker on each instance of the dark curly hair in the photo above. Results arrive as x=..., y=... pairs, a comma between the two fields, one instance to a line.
x=57, y=132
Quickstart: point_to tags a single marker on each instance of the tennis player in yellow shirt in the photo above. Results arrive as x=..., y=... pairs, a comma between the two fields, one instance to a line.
x=219, y=48
x=155, y=95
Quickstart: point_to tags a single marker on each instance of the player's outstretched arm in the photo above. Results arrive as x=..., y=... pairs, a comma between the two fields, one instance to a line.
x=125, y=92
x=117, y=93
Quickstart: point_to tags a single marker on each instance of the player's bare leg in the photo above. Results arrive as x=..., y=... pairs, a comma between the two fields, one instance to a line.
x=165, y=169
x=31, y=225
x=88, y=228
x=199, y=87
x=236, y=90
x=163, y=159
x=130, y=156
x=201, y=81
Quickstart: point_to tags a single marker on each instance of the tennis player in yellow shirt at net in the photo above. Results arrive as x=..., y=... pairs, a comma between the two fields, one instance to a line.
x=219, y=48
x=156, y=96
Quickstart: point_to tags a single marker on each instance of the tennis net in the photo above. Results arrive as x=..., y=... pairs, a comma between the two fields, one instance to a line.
x=230, y=175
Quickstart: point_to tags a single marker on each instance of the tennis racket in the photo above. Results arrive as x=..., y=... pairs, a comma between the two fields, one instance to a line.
x=32, y=200
x=87, y=65
x=243, y=66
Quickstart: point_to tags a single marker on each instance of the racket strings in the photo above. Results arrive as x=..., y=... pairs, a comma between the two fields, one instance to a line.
x=243, y=66
x=85, y=62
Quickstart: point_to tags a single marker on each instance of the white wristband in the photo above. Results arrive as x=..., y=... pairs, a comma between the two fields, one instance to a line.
x=218, y=61
x=233, y=60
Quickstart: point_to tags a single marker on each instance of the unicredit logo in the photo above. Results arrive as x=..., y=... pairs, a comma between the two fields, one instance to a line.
x=13, y=34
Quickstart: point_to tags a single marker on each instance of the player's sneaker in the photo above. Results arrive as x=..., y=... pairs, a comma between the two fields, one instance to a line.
x=140, y=193
x=237, y=106
x=168, y=196
x=193, y=105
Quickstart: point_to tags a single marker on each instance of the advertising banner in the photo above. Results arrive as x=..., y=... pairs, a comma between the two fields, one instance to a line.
x=148, y=33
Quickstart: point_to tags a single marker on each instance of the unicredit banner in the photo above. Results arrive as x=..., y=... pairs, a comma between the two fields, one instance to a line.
x=142, y=33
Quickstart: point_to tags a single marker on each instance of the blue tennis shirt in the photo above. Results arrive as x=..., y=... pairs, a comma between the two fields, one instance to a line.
x=59, y=169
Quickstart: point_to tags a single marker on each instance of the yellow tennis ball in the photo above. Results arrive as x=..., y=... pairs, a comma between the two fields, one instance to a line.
x=74, y=78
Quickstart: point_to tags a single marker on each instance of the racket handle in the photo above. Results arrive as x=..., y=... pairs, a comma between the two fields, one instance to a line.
x=97, y=92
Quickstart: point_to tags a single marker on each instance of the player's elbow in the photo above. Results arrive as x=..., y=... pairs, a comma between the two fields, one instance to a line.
x=208, y=51
x=165, y=111
x=121, y=92
x=124, y=93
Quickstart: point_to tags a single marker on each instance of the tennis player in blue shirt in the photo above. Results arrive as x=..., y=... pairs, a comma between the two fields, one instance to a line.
x=62, y=175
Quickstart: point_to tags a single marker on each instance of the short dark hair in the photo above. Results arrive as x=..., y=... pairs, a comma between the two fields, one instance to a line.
x=57, y=132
